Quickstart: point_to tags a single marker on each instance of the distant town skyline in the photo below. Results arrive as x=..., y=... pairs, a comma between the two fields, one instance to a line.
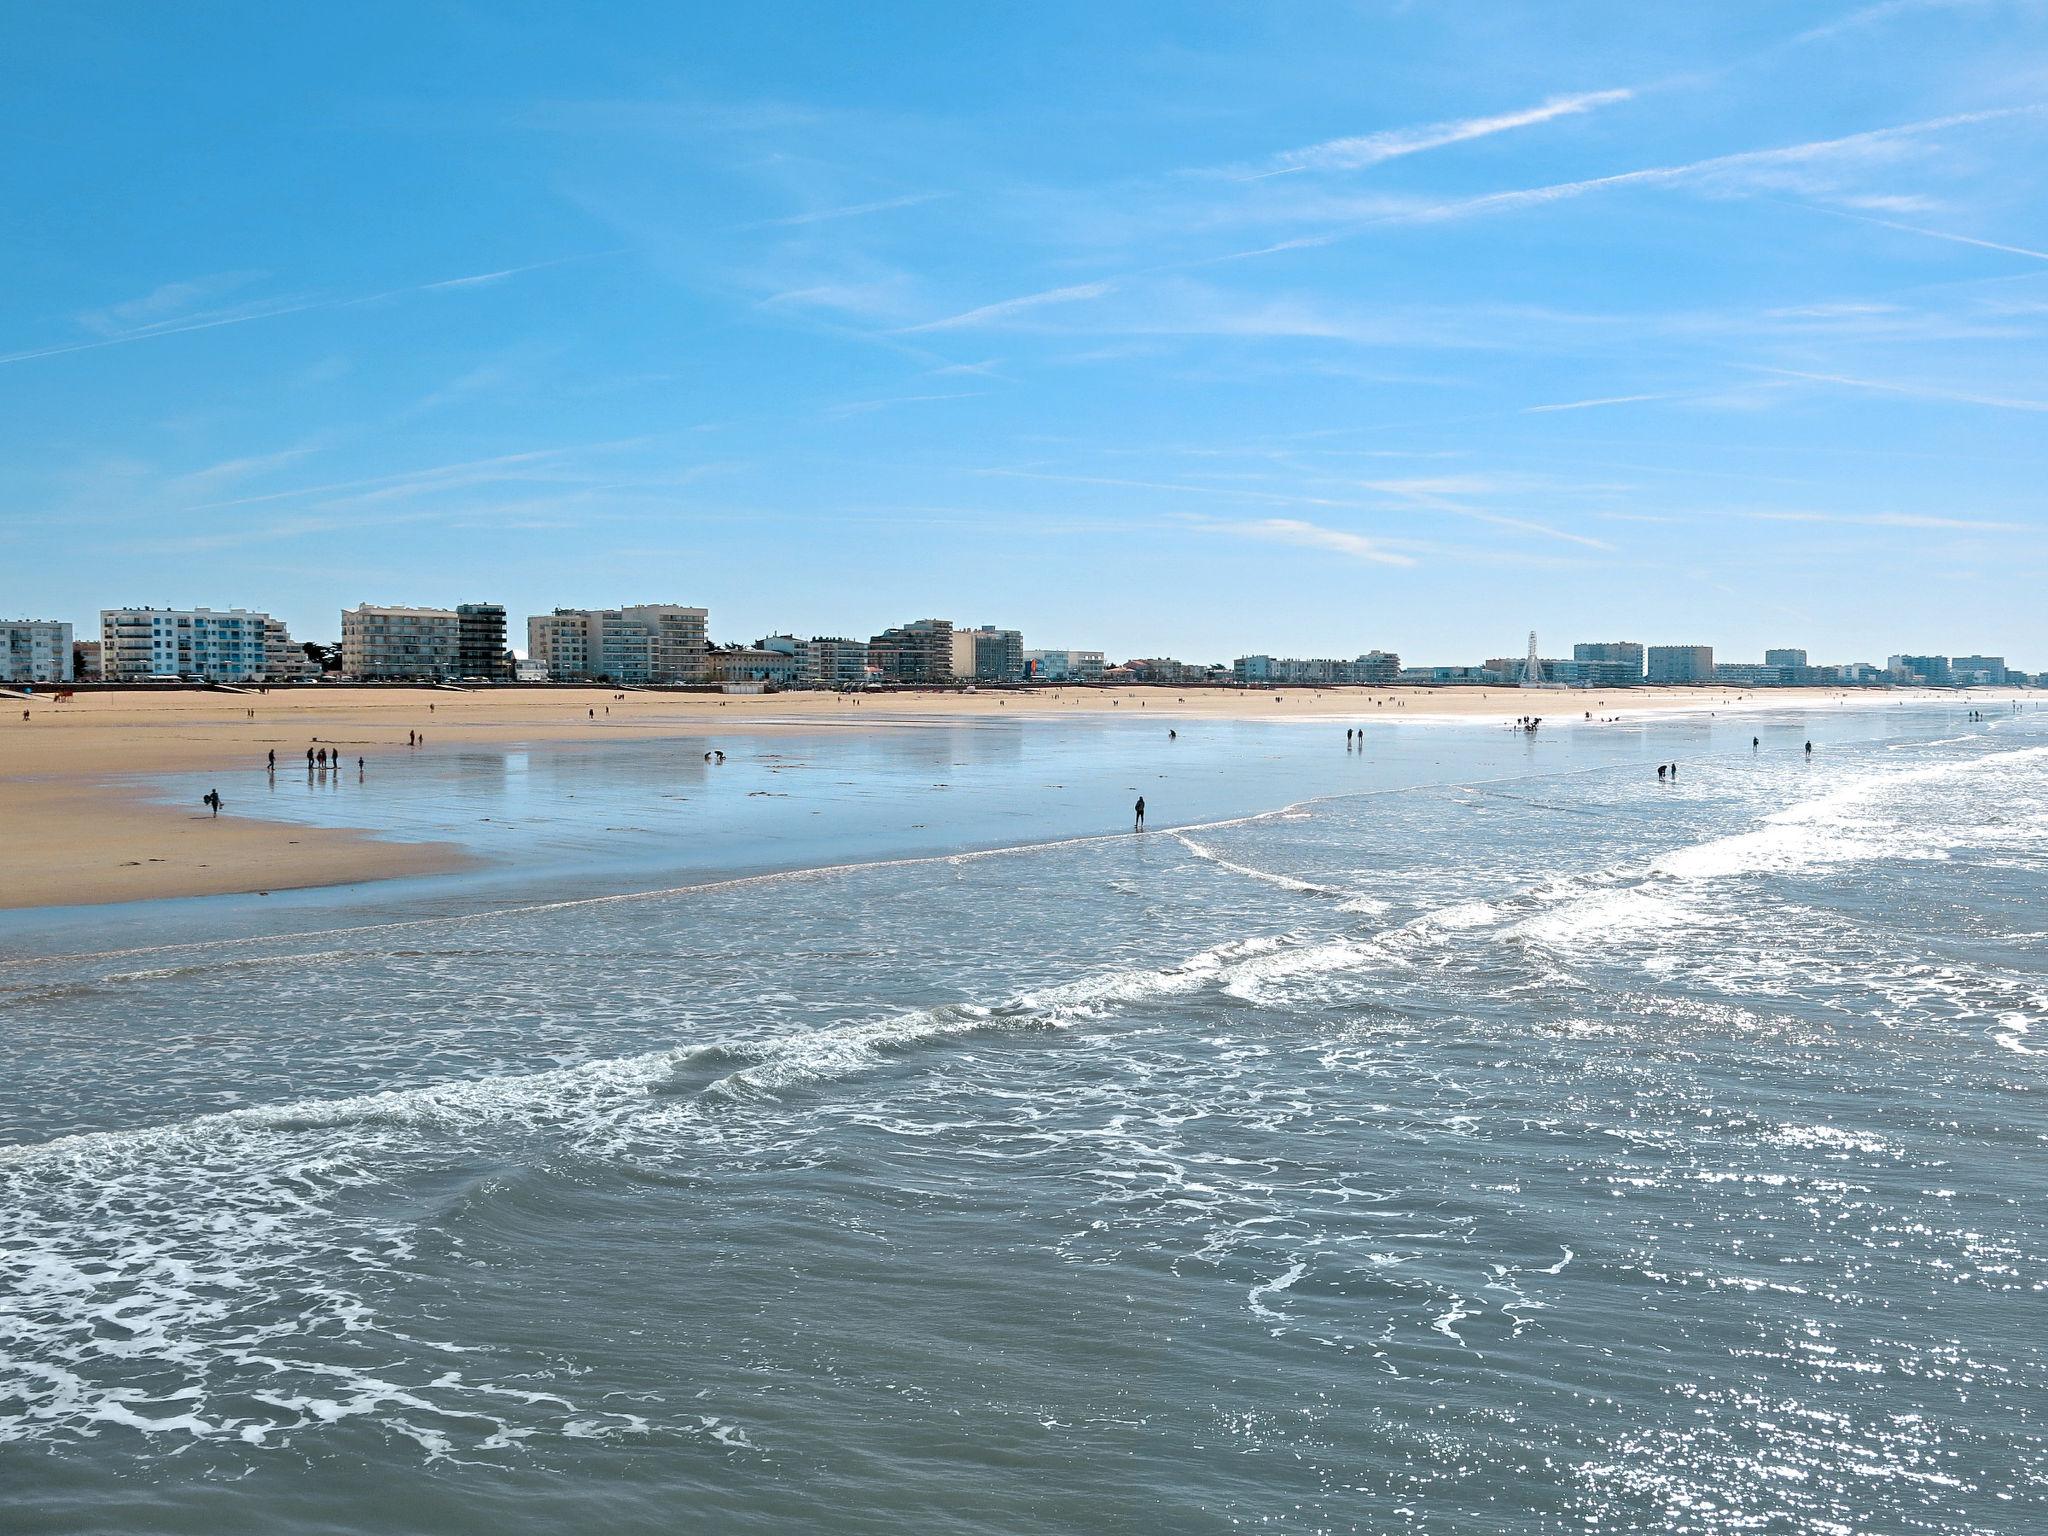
x=1188, y=330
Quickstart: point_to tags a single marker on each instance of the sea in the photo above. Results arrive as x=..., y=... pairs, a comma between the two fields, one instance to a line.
x=1465, y=1131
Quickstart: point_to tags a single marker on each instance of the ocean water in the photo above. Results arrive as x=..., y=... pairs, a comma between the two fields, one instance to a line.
x=1472, y=1134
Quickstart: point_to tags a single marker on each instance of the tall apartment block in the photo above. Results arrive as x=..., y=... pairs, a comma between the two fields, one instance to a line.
x=918, y=652
x=840, y=662
x=1626, y=655
x=35, y=651
x=1681, y=664
x=988, y=654
x=646, y=643
x=467, y=641
x=407, y=643
x=230, y=646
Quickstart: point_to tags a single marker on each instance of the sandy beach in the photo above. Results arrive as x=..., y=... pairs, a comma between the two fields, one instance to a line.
x=82, y=830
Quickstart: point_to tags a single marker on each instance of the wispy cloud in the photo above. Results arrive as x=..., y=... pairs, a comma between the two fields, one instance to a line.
x=1357, y=153
x=274, y=310
x=1916, y=391
x=1874, y=15
x=849, y=211
x=1932, y=234
x=862, y=407
x=1588, y=405
x=1289, y=530
x=1750, y=165
x=1006, y=309
x=1891, y=520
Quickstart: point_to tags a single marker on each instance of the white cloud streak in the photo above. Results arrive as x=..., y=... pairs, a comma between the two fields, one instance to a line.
x=281, y=309
x=1078, y=293
x=850, y=211
x=1358, y=153
x=1915, y=391
x=1289, y=530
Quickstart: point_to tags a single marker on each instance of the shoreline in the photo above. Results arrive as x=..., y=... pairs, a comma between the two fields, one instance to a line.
x=82, y=835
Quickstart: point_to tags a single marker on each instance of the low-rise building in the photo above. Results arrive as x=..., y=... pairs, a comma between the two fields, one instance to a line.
x=802, y=654
x=1785, y=656
x=1374, y=669
x=229, y=646
x=753, y=664
x=35, y=651
x=1433, y=677
x=1748, y=674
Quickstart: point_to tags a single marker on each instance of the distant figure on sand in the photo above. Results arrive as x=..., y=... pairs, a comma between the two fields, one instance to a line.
x=271, y=762
x=211, y=799
x=1139, y=826
x=1809, y=749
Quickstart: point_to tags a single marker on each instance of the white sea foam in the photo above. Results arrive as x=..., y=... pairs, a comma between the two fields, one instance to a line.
x=1269, y=877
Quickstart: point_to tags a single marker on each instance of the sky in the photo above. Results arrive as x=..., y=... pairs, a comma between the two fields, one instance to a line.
x=1165, y=329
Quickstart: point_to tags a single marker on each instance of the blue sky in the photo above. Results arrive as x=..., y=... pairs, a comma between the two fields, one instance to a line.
x=1168, y=329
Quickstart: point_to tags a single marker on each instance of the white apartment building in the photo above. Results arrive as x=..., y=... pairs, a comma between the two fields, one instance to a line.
x=229, y=646
x=645, y=643
x=35, y=651
x=1063, y=666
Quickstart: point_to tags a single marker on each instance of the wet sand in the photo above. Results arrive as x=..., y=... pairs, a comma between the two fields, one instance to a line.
x=81, y=828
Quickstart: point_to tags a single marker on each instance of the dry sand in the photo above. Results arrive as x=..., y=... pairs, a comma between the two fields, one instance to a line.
x=77, y=829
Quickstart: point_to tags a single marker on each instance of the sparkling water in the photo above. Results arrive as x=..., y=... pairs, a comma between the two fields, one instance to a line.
x=1472, y=1133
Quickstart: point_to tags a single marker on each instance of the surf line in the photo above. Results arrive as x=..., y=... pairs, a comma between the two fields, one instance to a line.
x=734, y=882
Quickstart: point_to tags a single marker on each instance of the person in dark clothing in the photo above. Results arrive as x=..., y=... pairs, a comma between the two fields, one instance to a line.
x=1660, y=773
x=1140, y=824
x=271, y=762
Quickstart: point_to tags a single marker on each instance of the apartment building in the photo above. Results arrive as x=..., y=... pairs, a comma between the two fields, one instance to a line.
x=35, y=651
x=647, y=643
x=839, y=662
x=1068, y=666
x=227, y=646
x=1625, y=655
x=918, y=652
x=409, y=643
x=1680, y=664
x=988, y=654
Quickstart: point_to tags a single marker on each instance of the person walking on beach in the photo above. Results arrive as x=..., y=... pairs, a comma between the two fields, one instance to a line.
x=211, y=799
x=1660, y=773
x=271, y=763
x=1139, y=826
x=309, y=759
x=1809, y=749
